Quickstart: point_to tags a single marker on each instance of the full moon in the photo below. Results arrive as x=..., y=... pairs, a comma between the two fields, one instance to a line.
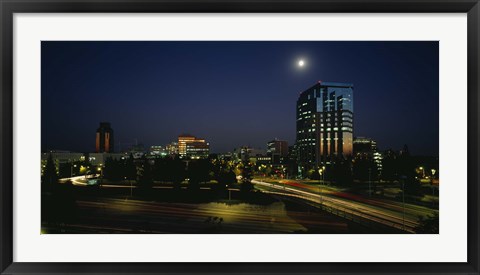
x=301, y=63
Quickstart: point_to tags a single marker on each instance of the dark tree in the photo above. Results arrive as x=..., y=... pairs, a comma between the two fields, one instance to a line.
x=145, y=181
x=389, y=166
x=130, y=169
x=176, y=172
x=50, y=176
x=246, y=185
x=342, y=172
x=225, y=178
x=113, y=169
x=364, y=169
x=198, y=171
x=313, y=174
x=107, y=168
x=223, y=173
x=406, y=170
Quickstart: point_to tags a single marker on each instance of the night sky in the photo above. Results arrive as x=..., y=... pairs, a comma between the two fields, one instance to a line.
x=233, y=93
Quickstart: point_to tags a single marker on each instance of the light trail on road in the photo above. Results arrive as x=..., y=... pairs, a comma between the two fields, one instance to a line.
x=377, y=211
x=361, y=210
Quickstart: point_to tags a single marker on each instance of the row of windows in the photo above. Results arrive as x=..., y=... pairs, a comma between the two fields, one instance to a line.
x=305, y=117
x=306, y=139
x=336, y=129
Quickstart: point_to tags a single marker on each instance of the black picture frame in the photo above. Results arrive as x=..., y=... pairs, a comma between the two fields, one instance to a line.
x=9, y=7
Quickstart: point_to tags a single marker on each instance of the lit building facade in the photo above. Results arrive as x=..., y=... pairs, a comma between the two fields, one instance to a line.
x=104, y=142
x=277, y=147
x=157, y=150
x=324, y=123
x=172, y=148
x=192, y=147
x=278, y=151
x=364, y=146
x=244, y=153
x=98, y=159
x=367, y=148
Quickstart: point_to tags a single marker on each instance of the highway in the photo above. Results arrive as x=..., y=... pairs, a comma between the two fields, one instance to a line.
x=361, y=209
x=385, y=212
x=118, y=215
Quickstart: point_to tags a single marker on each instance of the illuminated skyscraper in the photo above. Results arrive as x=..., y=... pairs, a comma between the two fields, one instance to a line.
x=104, y=138
x=324, y=123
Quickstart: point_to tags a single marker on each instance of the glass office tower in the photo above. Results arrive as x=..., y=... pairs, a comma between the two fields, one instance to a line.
x=324, y=123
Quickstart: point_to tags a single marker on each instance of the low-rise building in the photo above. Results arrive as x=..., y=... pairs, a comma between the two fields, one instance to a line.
x=191, y=147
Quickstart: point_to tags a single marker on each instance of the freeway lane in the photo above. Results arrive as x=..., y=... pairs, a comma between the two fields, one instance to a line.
x=116, y=215
x=410, y=209
x=379, y=211
x=385, y=212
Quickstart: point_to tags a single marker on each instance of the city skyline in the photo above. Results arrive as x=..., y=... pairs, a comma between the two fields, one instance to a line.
x=224, y=115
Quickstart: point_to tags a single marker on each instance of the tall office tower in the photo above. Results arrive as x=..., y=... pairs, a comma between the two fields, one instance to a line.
x=324, y=123
x=104, y=139
x=277, y=150
x=277, y=147
x=192, y=147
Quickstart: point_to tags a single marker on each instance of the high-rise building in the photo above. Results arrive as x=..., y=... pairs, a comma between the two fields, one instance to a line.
x=324, y=123
x=104, y=139
x=192, y=147
x=277, y=150
x=277, y=147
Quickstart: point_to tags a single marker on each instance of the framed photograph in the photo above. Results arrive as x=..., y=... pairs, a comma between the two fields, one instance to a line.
x=247, y=137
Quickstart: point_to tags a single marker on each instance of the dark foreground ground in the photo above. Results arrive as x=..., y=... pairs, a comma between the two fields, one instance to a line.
x=83, y=210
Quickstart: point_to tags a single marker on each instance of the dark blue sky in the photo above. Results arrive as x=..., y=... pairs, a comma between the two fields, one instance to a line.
x=233, y=93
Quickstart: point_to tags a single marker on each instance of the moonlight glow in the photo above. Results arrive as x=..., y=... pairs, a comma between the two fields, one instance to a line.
x=301, y=63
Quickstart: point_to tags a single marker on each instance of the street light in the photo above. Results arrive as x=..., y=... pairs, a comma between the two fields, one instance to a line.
x=403, y=178
x=71, y=169
x=101, y=174
x=324, y=171
x=320, y=171
x=403, y=199
x=369, y=182
x=433, y=190
x=131, y=187
x=423, y=171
